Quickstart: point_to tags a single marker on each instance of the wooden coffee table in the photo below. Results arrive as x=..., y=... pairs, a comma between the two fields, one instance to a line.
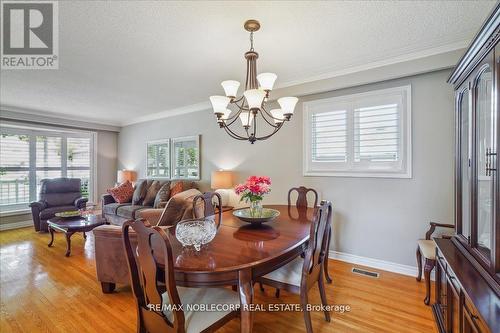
x=71, y=225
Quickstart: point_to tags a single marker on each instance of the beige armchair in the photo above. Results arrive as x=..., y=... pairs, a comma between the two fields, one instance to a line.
x=111, y=264
x=427, y=248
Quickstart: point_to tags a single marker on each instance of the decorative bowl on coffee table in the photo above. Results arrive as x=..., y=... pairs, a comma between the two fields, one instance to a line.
x=68, y=214
x=266, y=215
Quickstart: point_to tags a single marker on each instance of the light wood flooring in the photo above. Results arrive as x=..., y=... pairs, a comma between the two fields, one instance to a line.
x=43, y=291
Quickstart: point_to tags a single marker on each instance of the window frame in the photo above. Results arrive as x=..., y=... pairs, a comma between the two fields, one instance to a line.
x=154, y=143
x=12, y=128
x=173, y=158
x=399, y=169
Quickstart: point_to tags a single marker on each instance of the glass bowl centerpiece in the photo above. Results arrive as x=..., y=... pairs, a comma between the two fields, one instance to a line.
x=196, y=232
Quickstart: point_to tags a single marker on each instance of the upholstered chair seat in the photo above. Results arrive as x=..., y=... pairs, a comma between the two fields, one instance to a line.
x=290, y=273
x=197, y=321
x=428, y=248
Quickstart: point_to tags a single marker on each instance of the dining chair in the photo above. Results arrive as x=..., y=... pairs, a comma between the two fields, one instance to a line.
x=210, y=208
x=164, y=307
x=301, y=274
x=427, y=248
x=301, y=204
x=302, y=196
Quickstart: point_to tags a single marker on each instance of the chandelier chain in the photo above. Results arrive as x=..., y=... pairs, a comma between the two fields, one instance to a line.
x=251, y=41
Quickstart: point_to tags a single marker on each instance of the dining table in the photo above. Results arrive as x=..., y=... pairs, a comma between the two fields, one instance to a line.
x=242, y=252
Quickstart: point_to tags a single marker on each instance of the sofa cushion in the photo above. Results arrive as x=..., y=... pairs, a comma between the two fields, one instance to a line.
x=139, y=191
x=179, y=207
x=149, y=198
x=176, y=188
x=162, y=196
x=129, y=211
x=122, y=193
x=110, y=209
x=48, y=213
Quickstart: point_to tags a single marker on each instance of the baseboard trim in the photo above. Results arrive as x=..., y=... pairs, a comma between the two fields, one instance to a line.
x=15, y=225
x=376, y=263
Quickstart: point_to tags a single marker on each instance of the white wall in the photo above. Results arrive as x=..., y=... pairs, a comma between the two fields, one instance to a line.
x=376, y=218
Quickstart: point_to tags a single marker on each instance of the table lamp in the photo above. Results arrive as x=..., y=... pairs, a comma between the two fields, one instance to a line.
x=223, y=181
x=124, y=175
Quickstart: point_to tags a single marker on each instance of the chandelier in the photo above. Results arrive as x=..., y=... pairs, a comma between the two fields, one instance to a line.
x=243, y=111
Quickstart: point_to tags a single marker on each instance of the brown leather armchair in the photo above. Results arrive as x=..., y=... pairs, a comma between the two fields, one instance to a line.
x=56, y=195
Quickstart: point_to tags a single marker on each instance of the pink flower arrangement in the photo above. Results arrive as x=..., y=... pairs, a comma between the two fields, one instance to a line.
x=254, y=188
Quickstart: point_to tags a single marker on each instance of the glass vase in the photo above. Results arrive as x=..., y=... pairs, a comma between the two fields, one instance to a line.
x=256, y=208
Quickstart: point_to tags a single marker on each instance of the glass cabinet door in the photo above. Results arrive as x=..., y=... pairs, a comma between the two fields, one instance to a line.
x=485, y=147
x=464, y=108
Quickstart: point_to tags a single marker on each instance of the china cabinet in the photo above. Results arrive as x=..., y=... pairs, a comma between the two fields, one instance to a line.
x=468, y=265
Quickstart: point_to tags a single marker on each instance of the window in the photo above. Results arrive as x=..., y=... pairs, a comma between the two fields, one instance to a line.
x=158, y=158
x=361, y=135
x=28, y=155
x=186, y=158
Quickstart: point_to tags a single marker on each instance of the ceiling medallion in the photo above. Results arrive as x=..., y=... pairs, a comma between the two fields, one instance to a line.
x=252, y=104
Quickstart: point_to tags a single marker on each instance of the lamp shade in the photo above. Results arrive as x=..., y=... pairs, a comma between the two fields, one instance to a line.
x=124, y=175
x=230, y=87
x=254, y=98
x=266, y=80
x=219, y=103
x=222, y=179
x=246, y=118
x=288, y=104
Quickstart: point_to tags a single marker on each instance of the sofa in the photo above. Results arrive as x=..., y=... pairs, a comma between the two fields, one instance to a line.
x=56, y=195
x=148, y=194
x=111, y=263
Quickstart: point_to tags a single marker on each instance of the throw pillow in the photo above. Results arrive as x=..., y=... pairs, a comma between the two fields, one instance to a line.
x=139, y=192
x=153, y=189
x=176, y=189
x=122, y=193
x=162, y=196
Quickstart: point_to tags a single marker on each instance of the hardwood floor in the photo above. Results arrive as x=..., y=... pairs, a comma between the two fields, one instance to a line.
x=43, y=291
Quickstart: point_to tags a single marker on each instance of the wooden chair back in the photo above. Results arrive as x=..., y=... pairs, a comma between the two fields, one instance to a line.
x=153, y=246
x=210, y=208
x=317, y=248
x=302, y=196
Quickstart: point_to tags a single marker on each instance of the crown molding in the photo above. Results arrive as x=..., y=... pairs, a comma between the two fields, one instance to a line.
x=169, y=113
x=9, y=112
x=327, y=73
x=414, y=63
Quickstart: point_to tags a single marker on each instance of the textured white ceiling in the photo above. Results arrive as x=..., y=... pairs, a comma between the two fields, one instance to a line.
x=121, y=60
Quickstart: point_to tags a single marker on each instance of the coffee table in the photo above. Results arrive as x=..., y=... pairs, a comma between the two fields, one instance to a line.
x=70, y=225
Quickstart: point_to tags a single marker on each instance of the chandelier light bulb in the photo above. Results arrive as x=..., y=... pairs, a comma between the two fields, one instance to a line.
x=266, y=80
x=254, y=98
x=246, y=119
x=230, y=88
x=277, y=115
x=219, y=103
x=288, y=104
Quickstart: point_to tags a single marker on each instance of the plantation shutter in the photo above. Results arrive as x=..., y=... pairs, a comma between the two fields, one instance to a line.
x=14, y=169
x=329, y=136
x=377, y=133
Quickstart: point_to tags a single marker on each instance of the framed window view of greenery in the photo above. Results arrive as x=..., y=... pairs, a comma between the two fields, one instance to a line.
x=158, y=158
x=186, y=157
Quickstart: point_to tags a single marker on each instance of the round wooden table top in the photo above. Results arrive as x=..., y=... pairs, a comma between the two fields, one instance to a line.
x=239, y=245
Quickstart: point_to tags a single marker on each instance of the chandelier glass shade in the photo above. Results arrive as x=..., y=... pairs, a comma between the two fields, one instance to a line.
x=244, y=111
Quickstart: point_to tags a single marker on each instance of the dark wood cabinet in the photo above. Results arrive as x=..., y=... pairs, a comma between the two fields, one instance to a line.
x=477, y=122
x=468, y=265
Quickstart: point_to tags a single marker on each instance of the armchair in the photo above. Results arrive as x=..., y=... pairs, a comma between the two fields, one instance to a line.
x=427, y=248
x=56, y=195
